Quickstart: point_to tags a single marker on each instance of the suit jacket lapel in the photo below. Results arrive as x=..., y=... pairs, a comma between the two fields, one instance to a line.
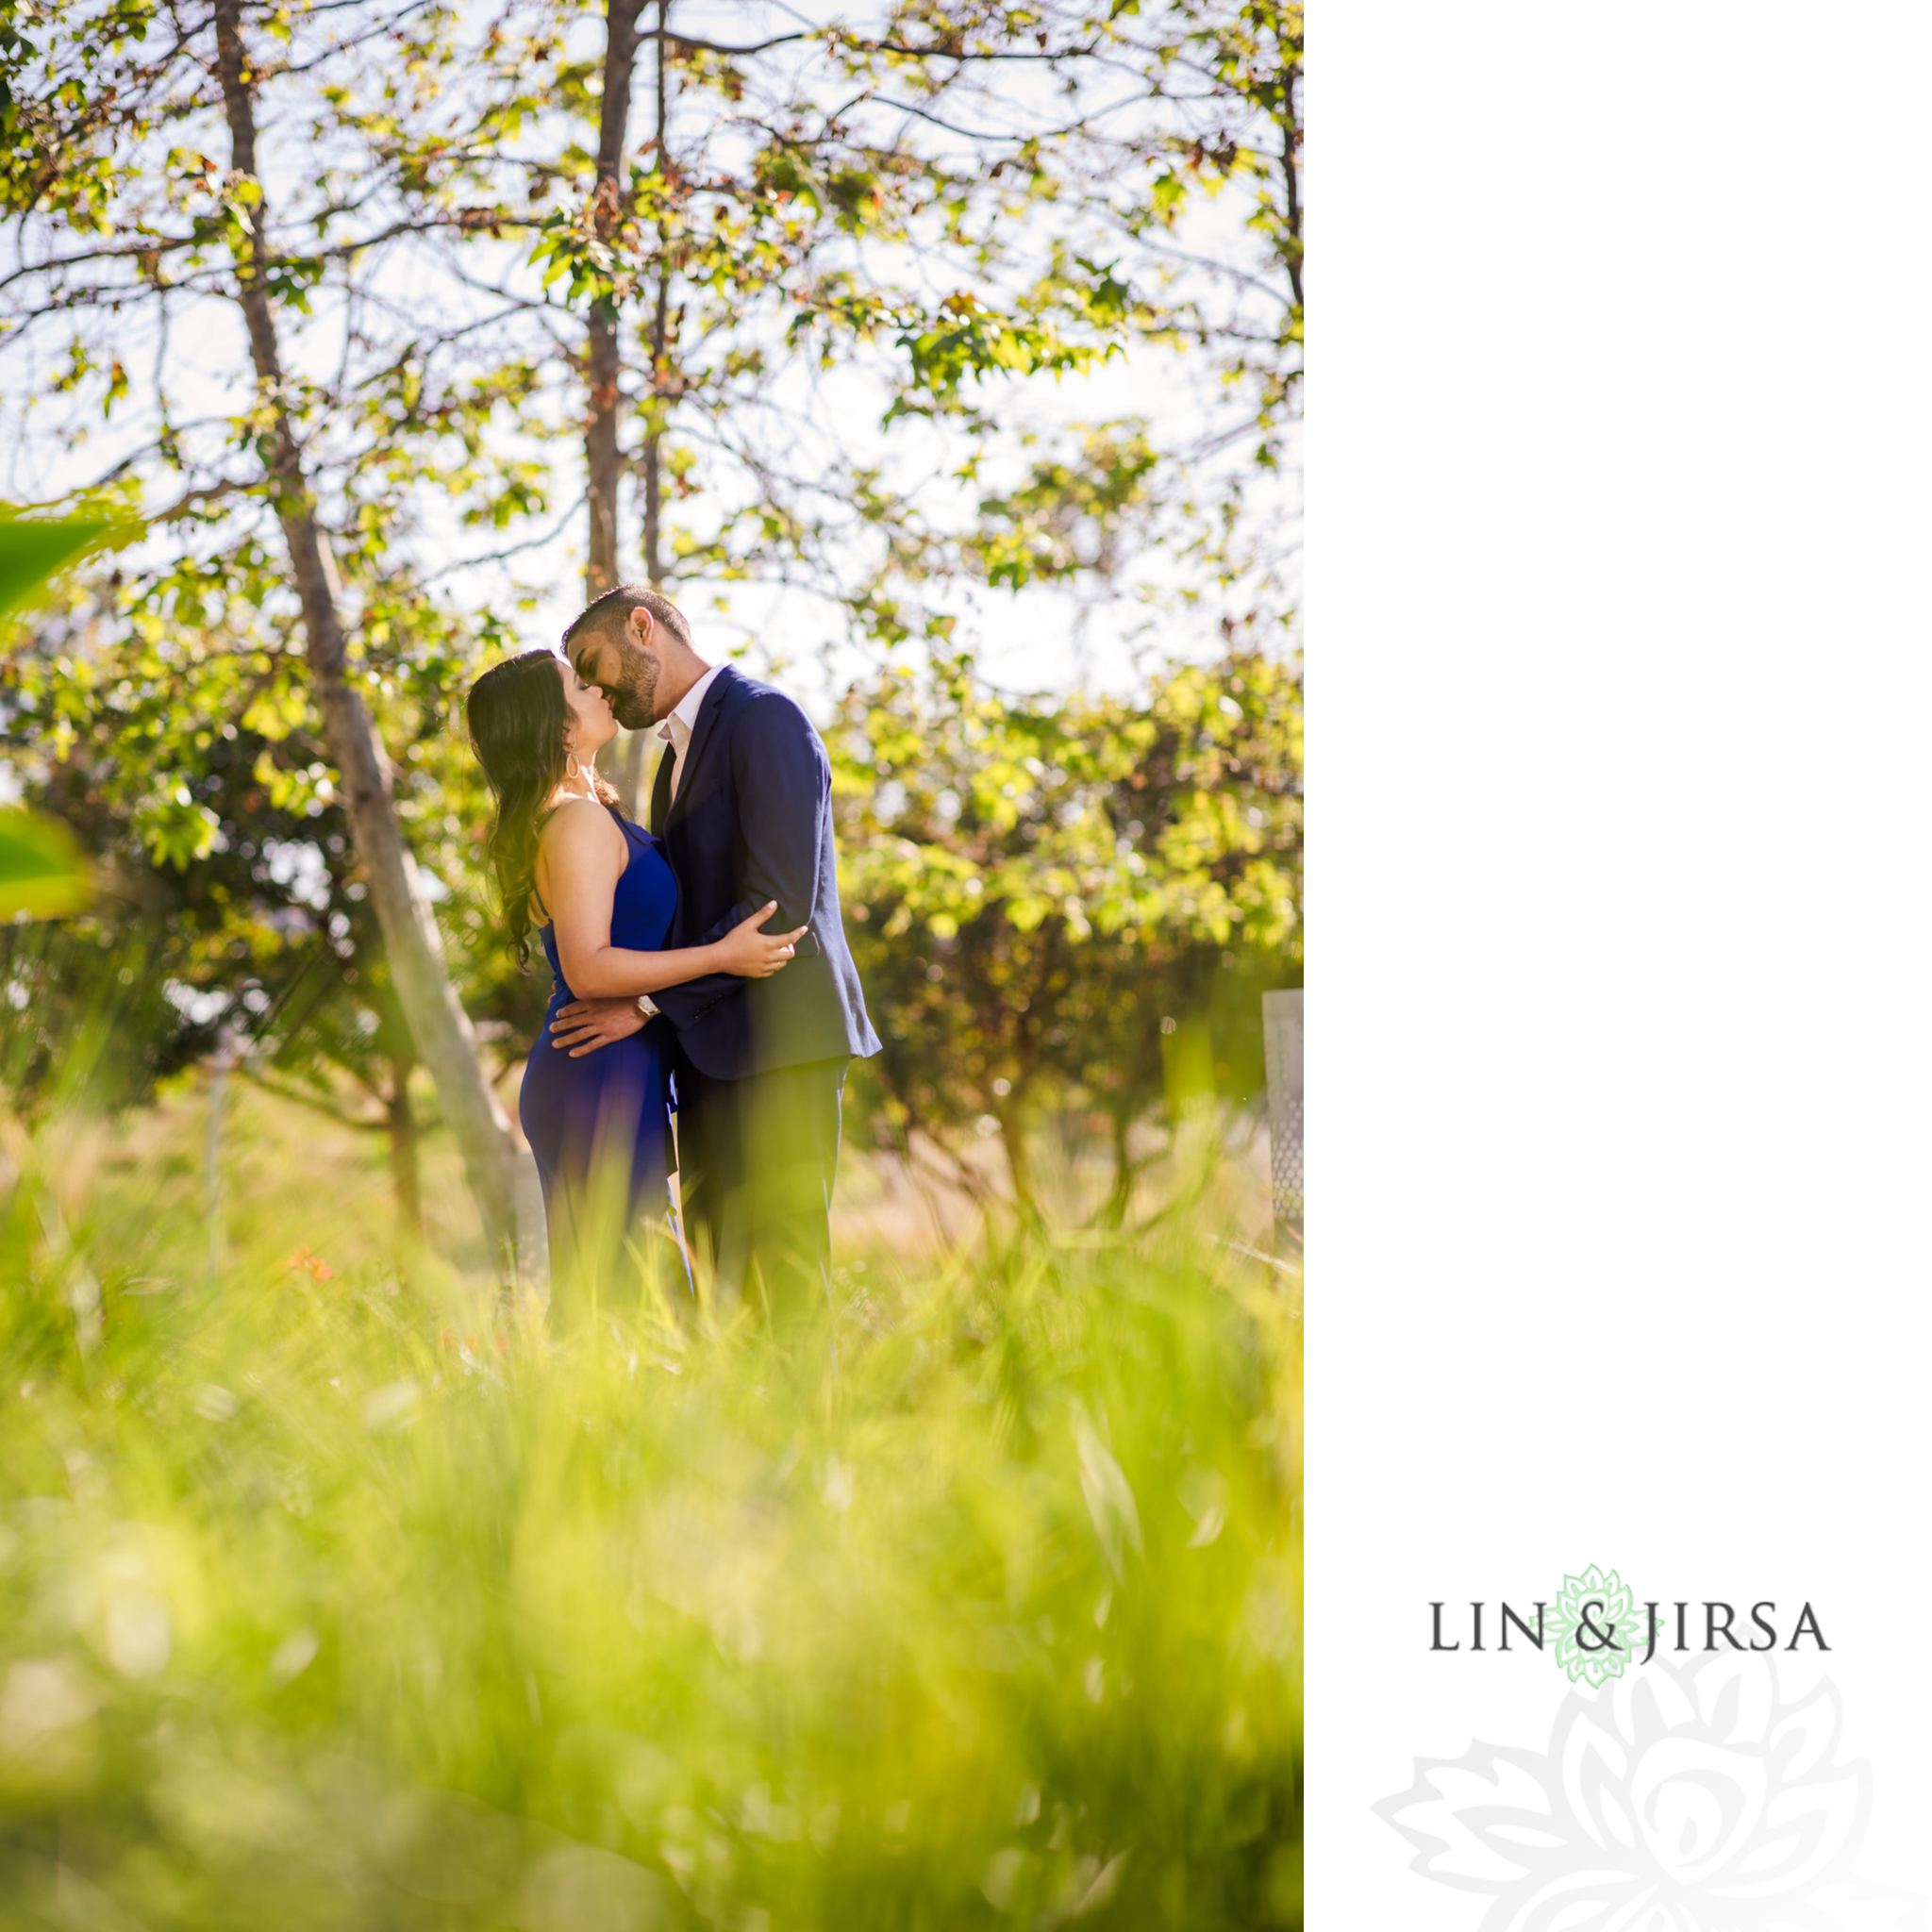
x=700, y=734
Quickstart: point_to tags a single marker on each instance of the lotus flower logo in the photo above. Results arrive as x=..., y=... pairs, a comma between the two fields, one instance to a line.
x=1687, y=1799
x=1598, y=1630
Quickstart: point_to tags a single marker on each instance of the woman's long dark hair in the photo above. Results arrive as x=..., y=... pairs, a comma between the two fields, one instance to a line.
x=519, y=728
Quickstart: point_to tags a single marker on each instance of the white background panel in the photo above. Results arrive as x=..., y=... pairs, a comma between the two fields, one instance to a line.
x=1620, y=519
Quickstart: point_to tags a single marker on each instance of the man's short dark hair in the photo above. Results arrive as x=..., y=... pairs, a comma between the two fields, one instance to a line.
x=608, y=614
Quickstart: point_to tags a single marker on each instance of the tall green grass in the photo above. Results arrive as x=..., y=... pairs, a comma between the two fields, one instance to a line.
x=340, y=1595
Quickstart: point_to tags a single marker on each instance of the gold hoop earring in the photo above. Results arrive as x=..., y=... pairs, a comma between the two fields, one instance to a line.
x=571, y=769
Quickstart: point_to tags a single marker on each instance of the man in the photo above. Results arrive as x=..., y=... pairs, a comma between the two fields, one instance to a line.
x=744, y=804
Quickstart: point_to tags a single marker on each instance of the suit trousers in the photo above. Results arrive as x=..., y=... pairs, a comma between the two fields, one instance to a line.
x=758, y=1158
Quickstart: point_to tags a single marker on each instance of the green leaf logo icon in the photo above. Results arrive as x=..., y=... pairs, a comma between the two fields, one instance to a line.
x=1598, y=1630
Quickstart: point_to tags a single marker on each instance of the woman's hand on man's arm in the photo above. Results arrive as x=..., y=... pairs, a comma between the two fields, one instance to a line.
x=585, y=1026
x=749, y=953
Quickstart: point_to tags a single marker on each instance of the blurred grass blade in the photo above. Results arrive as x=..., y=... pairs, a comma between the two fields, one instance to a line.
x=31, y=552
x=42, y=869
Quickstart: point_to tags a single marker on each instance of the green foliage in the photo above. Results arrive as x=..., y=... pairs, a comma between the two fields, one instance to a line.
x=727, y=256
x=169, y=713
x=86, y=1019
x=1044, y=892
x=55, y=111
x=169, y=722
x=968, y=192
x=1067, y=515
x=328, y=1602
x=968, y=340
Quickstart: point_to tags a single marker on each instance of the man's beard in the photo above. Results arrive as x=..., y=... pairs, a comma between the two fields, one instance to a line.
x=634, y=702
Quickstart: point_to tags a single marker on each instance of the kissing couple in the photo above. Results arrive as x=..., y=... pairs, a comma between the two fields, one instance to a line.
x=701, y=965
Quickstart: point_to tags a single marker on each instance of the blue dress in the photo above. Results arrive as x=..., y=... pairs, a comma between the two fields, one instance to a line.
x=598, y=1125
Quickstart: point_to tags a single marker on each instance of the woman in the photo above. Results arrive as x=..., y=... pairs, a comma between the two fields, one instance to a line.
x=602, y=895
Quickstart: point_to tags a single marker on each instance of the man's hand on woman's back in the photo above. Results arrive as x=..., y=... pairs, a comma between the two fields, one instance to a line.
x=584, y=1026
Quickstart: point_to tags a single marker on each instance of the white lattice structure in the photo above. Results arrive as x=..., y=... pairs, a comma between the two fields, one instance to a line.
x=1281, y=1027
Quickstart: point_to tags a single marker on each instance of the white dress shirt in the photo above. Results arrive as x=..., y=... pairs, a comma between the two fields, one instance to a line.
x=676, y=729
x=676, y=732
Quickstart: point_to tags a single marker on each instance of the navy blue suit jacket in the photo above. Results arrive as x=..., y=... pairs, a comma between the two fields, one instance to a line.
x=753, y=822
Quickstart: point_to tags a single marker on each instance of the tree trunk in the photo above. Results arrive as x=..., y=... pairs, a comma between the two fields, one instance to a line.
x=660, y=338
x=405, y=1169
x=1026, y=1039
x=1120, y=1194
x=436, y=1017
x=604, y=365
x=1141, y=1068
x=1290, y=141
x=628, y=778
x=1019, y=1156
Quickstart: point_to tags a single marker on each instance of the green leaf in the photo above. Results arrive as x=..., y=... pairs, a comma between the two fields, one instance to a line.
x=31, y=552
x=43, y=872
